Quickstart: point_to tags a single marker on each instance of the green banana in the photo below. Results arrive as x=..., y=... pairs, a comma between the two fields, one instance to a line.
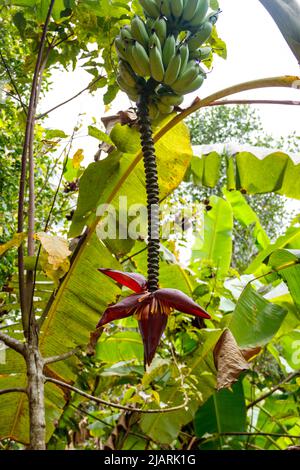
x=139, y=32
x=120, y=48
x=200, y=13
x=153, y=111
x=156, y=64
x=213, y=17
x=160, y=28
x=125, y=33
x=155, y=41
x=192, y=86
x=150, y=8
x=201, y=54
x=164, y=108
x=173, y=69
x=149, y=24
x=177, y=8
x=200, y=37
x=190, y=9
x=135, y=65
x=141, y=59
x=132, y=91
x=169, y=50
x=184, y=54
x=127, y=74
x=171, y=99
x=166, y=8
x=190, y=73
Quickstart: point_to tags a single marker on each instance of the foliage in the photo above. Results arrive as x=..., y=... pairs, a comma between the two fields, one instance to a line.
x=261, y=309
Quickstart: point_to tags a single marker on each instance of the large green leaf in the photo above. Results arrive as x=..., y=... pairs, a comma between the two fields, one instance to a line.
x=287, y=264
x=246, y=216
x=216, y=247
x=256, y=170
x=291, y=239
x=224, y=411
x=255, y=320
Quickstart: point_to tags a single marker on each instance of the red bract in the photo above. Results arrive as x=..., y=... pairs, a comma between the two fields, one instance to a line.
x=151, y=309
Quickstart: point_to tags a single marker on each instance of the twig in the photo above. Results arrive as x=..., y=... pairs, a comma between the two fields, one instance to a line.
x=13, y=83
x=110, y=404
x=13, y=97
x=70, y=99
x=270, y=434
x=13, y=343
x=62, y=357
x=13, y=390
x=274, y=389
x=242, y=102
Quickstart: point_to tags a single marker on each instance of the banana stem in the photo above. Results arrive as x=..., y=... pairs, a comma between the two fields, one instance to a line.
x=152, y=191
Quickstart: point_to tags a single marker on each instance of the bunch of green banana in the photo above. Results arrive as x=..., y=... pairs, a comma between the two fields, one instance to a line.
x=153, y=54
x=182, y=15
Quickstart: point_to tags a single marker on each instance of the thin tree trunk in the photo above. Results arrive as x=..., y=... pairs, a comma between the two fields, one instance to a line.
x=36, y=398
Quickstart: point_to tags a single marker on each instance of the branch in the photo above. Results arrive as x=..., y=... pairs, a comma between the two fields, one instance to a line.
x=40, y=116
x=27, y=150
x=62, y=357
x=13, y=390
x=13, y=83
x=274, y=389
x=113, y=405
x=282, y=102
x=13, y=343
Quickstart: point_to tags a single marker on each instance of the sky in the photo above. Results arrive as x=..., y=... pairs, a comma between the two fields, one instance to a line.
x=256, y=49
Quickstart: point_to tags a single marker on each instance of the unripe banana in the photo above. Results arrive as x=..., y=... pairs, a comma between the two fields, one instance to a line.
x=177, y=8
x=150, y=8
x=184, y=54
x=132, y=91
x=173, y=69
x=201, y=54
x=192, y=86
x=125, y=33
x=135, y=65
x=149, y=25
x=171, y=100
x=190, y=9
x=160, y=28
x=127, y=74
x=189, y=74
x=153, y=111
x=166, y=8
x=200, y=13
x=155, y=41
x=141, y=58
x=121, y=47
x=139, y=32
x=164, y=108
x=169, y=50
x=213, y=17
x=156, y=64
x=200, y=37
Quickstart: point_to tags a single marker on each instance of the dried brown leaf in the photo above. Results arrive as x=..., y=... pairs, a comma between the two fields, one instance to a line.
x=229, y=360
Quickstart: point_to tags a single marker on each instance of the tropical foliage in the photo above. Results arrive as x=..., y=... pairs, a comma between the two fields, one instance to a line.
x=229, y=383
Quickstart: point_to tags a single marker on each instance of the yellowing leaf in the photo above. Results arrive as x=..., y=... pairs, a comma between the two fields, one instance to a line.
x=54, y=255
x=77, y=158
x=15, y=242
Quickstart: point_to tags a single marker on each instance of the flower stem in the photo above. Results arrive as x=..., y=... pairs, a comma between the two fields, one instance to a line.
x=152, y=191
